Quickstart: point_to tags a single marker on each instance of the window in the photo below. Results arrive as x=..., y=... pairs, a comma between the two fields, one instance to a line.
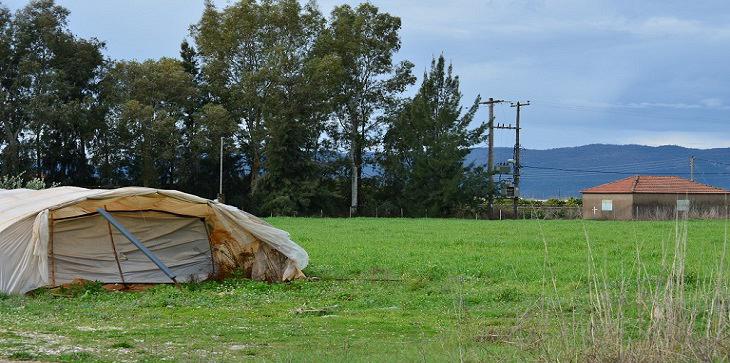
x=683, y=205
x=606, y=205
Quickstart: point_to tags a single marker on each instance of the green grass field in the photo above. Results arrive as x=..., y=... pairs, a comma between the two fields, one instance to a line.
x=380, y=290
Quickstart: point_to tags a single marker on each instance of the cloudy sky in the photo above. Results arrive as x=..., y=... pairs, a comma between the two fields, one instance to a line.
x=623, y=71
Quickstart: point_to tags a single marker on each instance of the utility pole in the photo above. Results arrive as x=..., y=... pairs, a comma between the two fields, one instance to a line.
x=516, y=175
x=692, y=168
x=490, y=152
x=221, y=198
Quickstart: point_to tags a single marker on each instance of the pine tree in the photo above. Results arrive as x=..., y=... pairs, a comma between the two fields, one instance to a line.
x=426, y=144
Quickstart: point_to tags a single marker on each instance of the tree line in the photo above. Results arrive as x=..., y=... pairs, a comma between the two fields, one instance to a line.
x=311, y=107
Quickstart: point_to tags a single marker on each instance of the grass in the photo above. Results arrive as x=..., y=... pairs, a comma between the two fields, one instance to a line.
x=381, y=290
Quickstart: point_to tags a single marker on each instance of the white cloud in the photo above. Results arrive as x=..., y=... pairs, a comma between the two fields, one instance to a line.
x=463, y=18
x=596, y=23
x=669, y=26
x=713, y=103
x=539, y=19
x=707, y=103
x=661, y=25
x=677, y=105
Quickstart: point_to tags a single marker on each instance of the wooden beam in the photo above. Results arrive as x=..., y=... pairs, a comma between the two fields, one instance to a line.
x=116, y=255
x=52, y=258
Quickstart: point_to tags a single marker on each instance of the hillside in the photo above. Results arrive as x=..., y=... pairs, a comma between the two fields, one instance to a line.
x=616, y=161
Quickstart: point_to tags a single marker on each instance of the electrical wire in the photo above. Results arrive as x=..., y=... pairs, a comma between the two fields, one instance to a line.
x=608, y=172
x=712, y=161
x=627, y=168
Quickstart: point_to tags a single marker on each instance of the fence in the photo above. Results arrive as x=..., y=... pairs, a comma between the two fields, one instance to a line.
x=548, y=212
x=505, y=212
x=656, y=213
x=501, y=212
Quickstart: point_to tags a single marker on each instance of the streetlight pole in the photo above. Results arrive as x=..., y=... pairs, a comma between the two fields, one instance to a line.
x=221, y=198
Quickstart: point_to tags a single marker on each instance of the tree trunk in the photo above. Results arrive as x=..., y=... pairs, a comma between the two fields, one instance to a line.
x=82, y=168
x=255, y=169
x=11, y=153
x=12, y=157
x=147, y=162
x=107, y=179
x=356, y=163
x=355, y=183
x=147, y=166
x=39, y=167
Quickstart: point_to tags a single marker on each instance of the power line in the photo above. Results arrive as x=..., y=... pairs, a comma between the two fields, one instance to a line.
x=628, y=168
x=553, y=173
x=712, y=161
x=609, y=172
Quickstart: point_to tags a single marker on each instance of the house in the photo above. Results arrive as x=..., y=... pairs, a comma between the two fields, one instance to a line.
x=653, y=197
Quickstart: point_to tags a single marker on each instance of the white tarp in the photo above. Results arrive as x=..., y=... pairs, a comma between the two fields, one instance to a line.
x=85, y=247
x=25, y=233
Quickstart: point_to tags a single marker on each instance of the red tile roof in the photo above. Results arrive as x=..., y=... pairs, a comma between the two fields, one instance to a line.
x=654, y=184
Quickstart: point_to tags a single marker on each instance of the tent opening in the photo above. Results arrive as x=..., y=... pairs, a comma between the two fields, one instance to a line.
x=88, y=248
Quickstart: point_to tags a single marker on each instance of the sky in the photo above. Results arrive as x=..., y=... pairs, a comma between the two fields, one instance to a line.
x=619, y=72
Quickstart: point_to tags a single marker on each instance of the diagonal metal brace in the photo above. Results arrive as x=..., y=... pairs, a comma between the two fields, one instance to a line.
x=126, y=233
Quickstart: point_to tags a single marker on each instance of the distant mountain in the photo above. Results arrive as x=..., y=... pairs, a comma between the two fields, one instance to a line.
x=615, y=162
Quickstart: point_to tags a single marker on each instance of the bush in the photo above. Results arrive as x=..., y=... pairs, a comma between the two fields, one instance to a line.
x=17, y=182
x=281, y=205
x=82, y=288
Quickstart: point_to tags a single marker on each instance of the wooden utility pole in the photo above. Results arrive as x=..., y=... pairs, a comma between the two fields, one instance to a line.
x=692, y=168
x=490, y=153
x=516, y=175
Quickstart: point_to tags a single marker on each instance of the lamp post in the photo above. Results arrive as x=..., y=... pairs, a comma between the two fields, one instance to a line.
x=221, y=198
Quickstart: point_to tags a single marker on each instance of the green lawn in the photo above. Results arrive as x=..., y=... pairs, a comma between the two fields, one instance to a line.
x=380, y=290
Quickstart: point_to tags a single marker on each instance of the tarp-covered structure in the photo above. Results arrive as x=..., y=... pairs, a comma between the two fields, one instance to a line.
x=55, y=236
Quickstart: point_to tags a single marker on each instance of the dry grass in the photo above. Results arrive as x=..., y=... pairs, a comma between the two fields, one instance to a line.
x=664, y=317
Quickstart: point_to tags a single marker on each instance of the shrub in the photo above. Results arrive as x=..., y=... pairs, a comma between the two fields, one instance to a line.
x=18, y=182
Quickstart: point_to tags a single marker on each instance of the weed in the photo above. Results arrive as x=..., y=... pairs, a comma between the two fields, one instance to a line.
x=22, y=356
x=81, y=288
x=122, y=345
x=673, y=315
x=76, y=357
x=509, y=295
